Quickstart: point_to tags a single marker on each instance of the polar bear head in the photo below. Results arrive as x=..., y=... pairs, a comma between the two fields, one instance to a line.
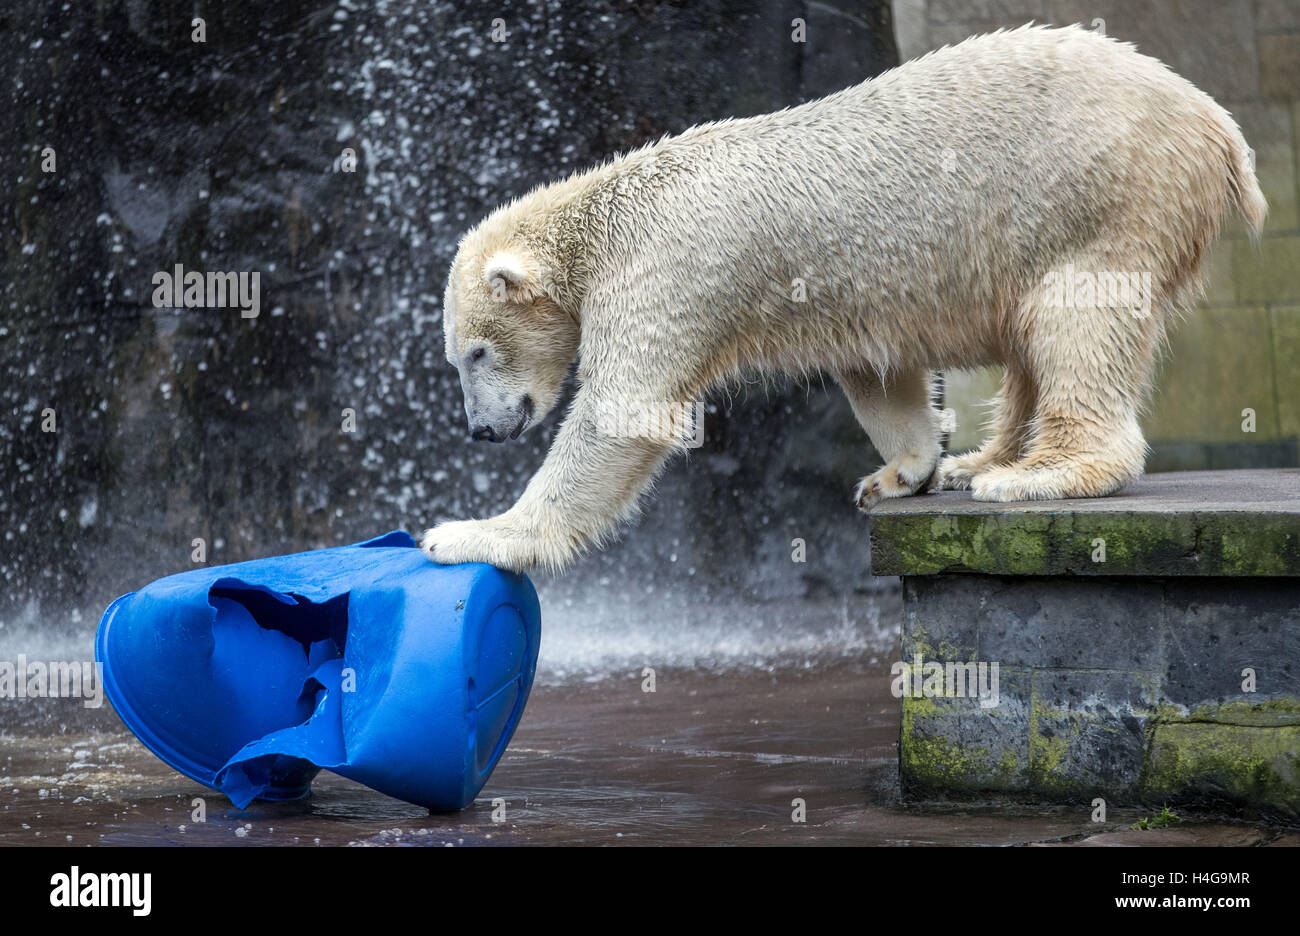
x=508, y=338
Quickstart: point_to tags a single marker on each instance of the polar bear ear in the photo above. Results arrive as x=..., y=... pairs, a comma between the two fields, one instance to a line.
x=514, y=273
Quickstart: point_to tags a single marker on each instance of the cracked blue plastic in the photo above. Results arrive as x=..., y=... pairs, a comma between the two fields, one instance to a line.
x=366, y=660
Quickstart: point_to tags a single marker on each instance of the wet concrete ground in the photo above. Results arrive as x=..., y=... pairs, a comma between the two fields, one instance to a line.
x=705, y=760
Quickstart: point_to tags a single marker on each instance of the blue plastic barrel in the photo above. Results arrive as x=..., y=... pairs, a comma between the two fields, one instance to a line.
x=368, y=660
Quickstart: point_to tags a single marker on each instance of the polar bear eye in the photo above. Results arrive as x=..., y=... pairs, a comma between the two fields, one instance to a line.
x=478, y=353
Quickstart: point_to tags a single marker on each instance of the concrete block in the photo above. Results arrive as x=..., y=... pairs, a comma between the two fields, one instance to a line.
x=1286, y=367
x=986, y=11
x=1088, y=732
x=1176, y=680
x=1176, y=32
x=1213, y=633
x=1267, y=272
x=954, y=747
x=1279, y=65
x=1276, y=14
x=1228, y=523
x=1229, y=765
x=1220, y=362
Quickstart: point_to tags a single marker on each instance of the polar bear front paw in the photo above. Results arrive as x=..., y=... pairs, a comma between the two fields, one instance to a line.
x=459, y=541
x=498, y=541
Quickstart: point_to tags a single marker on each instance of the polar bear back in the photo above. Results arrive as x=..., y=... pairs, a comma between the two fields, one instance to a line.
x=941, y=190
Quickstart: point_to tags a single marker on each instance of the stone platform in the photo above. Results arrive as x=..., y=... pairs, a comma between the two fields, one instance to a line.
x=1147, y=645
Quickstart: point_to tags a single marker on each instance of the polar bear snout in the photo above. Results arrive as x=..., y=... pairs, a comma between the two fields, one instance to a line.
x=508, y=427
x=497, y=405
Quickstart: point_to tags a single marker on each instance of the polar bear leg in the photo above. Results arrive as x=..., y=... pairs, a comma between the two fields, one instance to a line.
x=591, y=479
x=1069, y=459
x=899, y=416
x=1091, y=368
x=1013, y=412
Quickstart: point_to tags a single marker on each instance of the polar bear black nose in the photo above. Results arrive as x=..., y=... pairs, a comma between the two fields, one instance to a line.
x=482, y=433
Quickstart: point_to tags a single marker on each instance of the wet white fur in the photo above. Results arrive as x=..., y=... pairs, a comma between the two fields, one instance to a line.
x=922, y=210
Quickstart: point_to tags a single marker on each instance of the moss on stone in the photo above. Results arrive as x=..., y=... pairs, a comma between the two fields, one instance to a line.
x=1036, y=542
x=937, y=765
x=917, y=641
x=1048, y=771
x=1275, y=712
x=1253, y=766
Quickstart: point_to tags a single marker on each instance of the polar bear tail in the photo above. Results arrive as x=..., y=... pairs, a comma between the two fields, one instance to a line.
x=1241, y=176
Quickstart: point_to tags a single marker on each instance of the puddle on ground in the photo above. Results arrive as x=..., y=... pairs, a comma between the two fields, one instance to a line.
x=708, y=758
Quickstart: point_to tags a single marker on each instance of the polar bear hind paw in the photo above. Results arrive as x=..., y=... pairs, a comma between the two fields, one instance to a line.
x=902, y=478
x=957, y=472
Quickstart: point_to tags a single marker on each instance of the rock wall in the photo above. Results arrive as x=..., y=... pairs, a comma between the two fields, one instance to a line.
x=129, y=432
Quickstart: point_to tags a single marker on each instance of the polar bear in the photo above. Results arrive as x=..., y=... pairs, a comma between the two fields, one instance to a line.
x=1041, y=198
